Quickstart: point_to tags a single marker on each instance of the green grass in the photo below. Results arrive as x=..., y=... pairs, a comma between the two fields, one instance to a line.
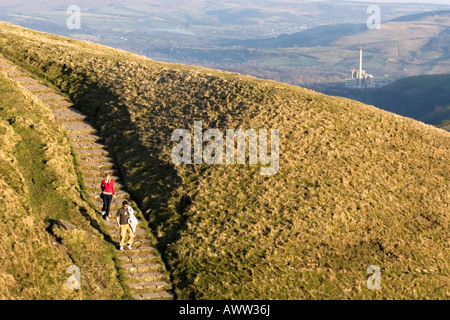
x=357, y=186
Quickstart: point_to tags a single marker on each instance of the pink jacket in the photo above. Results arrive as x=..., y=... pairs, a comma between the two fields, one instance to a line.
x=108, y=188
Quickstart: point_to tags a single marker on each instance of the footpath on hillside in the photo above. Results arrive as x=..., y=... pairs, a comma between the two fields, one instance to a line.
x=144, y=271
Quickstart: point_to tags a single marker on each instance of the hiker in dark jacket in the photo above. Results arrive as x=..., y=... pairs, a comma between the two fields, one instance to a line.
x=107, y=195
x=123, y=223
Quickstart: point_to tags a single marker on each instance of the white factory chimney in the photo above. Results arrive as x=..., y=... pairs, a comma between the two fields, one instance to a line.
x=360, y=67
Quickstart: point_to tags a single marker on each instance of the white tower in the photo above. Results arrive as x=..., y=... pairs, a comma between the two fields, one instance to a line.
x=360, y=68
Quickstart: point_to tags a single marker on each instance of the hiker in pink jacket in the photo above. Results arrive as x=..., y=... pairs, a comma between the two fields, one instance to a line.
x=107, y=195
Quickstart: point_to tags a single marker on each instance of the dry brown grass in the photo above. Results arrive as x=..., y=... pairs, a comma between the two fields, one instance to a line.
x=38, y=184
x=357, y=186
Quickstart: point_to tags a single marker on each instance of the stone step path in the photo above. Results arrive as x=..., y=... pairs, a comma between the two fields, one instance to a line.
x=144, y=270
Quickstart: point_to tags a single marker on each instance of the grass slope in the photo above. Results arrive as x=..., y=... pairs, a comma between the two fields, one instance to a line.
x=38, y=185
x=357, y=186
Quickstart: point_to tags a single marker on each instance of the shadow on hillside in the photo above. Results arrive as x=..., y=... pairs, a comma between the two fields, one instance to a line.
x=150, y=181
x=94, y=224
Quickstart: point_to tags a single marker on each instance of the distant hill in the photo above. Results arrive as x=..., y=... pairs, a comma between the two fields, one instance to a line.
x=357, y=186
x=302, y=43
x=327, y=35
x=323, y=55
x=425, y=98
x=317, y=36
x=444, y=125
x=420, y=16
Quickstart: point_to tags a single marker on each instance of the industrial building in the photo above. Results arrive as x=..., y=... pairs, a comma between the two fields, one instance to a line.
x=359, y=79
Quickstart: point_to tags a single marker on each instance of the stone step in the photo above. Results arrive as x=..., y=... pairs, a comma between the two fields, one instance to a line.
x=98, y=180
x=138, y=258
x=26, y=80
x=139, y=277
x=80, y=137
x=112, y=224
x=144, y=245
x=115, y=205
x=50, y=96
x=78, y=127
x=161, y=295
x=138, y=242
x=142, y=267
x=68, y=115
x=58, y=104
x=138, y=247
x=7, y=67
x=35, y=88
x=120, y=194
x=13, y=73
x=113, y=208
x=150, y=286
x=85, y=165
x=95, y=159
x=93, y=184
x=141, y=247
x=100, y=173
x=83, y=145
x=82, y=152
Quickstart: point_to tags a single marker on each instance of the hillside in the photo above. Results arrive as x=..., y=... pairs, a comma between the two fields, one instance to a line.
x=357, y=186
x=424, y=98
x=38, y=186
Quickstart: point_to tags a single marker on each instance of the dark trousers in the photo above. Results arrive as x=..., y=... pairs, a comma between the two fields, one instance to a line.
x=107, y=198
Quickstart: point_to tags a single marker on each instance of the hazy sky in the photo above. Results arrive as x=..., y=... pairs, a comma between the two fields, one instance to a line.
x=63, y=2
x=406, y=1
